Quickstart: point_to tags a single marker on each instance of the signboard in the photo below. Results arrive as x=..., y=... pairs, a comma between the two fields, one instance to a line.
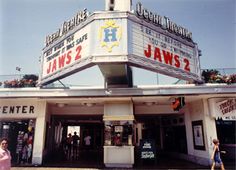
x=163, y=53
x=9, y=109
x=110, y=39
x=147, y=149
x=163, y=22
x=80, y=17
x=65, y=49
x=158, y=45
x=227, y=109
x=84, y=47
x=66, y=53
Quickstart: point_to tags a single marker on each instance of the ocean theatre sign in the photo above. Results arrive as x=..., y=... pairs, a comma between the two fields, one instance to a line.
x=160, y=45
x=142, y=39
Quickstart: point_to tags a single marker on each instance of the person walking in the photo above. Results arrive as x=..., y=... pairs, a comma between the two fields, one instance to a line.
x=87, y=140
x=5, y=155
x=75, y=139
x=68, y=145
x=215, y=157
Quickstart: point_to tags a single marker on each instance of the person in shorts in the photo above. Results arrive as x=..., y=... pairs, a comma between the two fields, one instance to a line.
x=216, y=155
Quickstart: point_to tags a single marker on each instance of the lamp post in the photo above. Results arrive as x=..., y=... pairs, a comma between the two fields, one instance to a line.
x=19, y=70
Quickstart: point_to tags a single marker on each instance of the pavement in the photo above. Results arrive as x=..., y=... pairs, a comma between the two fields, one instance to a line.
x=50, y=168
x=168, y=166
x=164, y=163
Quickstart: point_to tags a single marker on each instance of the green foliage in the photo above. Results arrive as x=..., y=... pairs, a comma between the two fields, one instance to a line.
x=30, y=77
x=213, y=76
x=28, y=80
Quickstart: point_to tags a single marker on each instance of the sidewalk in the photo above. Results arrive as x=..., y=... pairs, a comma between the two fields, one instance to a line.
x=162, y=164
x=49, y=168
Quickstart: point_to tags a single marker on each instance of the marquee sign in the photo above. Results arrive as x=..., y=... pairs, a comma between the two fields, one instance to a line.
x=161, y=21
x=82, y=48
x=141, y=39
x=162, y=53
x=67, y=26
x=158, y=44
x=66, y=53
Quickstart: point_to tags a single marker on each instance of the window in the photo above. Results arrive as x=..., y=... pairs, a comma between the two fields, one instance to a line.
x=118, y=133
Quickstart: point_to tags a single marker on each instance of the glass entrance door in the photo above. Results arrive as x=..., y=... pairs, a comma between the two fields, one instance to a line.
x=76, y=141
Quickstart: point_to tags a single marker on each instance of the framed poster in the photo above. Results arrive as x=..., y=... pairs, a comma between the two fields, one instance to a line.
x=198, y=135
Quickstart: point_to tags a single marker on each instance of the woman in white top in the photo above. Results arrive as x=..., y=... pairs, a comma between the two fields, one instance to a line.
x=5, y=156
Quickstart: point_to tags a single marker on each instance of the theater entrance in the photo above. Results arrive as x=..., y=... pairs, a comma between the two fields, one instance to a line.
x=164, y=134
x=75, y=141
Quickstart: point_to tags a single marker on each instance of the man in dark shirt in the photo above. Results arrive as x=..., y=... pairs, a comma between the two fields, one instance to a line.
x=75, y=139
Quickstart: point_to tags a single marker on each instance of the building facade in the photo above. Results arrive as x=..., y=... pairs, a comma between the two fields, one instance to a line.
x=42, y=117
x=118, y=125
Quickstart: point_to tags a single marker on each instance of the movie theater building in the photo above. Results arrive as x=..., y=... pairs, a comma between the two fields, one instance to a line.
x=126, y=123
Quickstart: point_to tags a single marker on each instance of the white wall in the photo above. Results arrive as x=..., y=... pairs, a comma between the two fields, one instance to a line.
x=198, y=110
x=75, y=110
x=154, y=109
x=39, y=135
x=118, y=109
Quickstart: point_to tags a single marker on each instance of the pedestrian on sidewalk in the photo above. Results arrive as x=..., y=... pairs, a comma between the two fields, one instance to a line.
x=5, y=155
x=216, y=155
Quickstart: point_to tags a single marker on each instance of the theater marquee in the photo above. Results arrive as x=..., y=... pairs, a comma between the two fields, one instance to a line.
x=82, y=47
x=157, y=51
x=158, y=44
x=142, y=39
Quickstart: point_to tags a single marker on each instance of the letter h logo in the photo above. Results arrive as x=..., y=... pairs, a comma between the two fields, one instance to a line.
x=110, y=35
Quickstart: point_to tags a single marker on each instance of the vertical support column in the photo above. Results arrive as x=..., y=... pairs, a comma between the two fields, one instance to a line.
x=211, y=131
x=117, y=116
x=39, y=135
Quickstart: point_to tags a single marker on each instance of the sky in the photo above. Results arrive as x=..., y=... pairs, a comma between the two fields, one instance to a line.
x=24, y=25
